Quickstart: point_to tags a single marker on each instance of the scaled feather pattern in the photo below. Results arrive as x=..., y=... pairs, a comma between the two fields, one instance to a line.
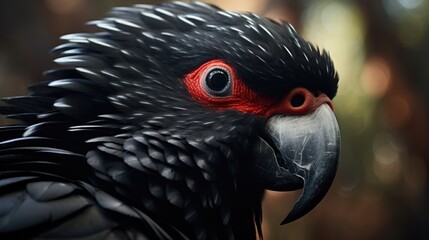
x=113, y=146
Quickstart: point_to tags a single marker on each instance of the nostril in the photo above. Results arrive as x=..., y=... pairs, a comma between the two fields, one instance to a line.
x=297, y=100
x=300, y=100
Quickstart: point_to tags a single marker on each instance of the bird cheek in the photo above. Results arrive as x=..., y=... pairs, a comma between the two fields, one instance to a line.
x=248, y=101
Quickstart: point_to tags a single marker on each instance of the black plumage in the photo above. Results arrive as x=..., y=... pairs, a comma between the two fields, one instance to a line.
x=112, y=145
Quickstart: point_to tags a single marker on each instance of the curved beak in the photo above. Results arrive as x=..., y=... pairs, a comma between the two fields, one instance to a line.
x=299, y=152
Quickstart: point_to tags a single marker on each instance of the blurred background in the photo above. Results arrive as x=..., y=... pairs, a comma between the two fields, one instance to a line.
x=381, y=51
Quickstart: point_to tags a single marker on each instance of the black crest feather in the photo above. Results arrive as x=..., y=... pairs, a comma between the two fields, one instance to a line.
x=112, y=142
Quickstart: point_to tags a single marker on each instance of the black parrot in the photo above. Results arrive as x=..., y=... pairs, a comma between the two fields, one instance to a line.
x=169, y=123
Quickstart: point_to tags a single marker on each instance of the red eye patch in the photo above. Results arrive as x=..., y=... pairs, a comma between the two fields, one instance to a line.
x=239, y=97
x=216, y=85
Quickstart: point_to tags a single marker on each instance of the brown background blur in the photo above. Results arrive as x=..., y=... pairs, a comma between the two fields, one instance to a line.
x=381, y=51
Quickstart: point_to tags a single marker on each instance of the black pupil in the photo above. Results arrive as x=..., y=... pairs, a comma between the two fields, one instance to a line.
x=217, y=80
x=297, y=100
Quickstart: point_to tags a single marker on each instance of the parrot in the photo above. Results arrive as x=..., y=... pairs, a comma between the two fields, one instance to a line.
x=169, y=121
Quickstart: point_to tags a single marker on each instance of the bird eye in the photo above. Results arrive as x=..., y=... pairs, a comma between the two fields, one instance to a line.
x=217, y=82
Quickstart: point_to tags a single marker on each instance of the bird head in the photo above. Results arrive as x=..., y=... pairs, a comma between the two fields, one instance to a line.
x=214, y=107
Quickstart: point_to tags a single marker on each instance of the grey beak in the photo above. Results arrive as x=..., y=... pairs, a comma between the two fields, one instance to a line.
x=300, y=152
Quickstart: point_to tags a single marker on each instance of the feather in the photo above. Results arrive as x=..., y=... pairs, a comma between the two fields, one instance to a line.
x=112, y=145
